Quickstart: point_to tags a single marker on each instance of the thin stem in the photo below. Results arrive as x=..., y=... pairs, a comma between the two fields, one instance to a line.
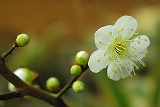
x=4, y=55
x=67, y=86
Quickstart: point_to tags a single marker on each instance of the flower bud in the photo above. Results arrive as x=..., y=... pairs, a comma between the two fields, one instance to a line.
x=75, y=70
x=23, y=73
x=82, y=58
x=52, y=84
x=22, y=40
x=78, y=86
x=11, y=87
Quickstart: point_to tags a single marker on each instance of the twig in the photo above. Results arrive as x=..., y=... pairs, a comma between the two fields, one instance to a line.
x=4, y=55
x=9, y=95
x=66, y=87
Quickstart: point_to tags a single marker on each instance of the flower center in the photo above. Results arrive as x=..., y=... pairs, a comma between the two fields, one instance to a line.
x=119, y=48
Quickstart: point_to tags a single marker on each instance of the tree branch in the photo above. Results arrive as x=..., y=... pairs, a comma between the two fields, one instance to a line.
x=9, y=95
x=25, y=89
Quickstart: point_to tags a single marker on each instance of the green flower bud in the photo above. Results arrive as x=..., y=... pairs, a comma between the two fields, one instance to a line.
x=82, y=58
x=76, y=70
x=78, y=86
x=11, y=87
x=52, y=84
x=23, y=73
x=22, y=40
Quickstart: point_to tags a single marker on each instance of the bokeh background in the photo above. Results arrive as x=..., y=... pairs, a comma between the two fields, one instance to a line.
x=58, y=29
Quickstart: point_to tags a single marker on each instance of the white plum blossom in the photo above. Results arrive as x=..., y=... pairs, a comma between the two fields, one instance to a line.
x=118, y=49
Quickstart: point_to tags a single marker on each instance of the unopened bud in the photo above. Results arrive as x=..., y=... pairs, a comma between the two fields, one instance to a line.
x=11, y=87
x=76, y=70
x=52, y=84
x=22, y=40
x=25, y=74
x=78, y=86
x=82, y=58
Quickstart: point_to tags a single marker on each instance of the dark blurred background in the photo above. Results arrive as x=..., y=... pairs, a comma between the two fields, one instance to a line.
x=58, y=29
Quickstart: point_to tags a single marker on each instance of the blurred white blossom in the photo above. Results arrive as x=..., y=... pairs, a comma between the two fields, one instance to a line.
x=118, y=49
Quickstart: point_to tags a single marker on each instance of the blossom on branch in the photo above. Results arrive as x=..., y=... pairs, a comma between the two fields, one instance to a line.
x=118, y=49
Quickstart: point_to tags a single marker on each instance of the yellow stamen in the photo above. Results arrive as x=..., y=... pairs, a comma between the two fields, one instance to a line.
x=137, y=68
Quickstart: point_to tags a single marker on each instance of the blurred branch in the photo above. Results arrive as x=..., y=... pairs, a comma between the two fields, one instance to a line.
x=25, y=89
x=9, y=95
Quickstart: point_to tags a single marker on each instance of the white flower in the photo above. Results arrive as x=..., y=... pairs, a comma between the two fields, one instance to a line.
x=118, y=49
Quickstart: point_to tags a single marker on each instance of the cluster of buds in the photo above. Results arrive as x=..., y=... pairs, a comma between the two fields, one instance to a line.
x=52, y=83
x=81, y=58
x=30, y=78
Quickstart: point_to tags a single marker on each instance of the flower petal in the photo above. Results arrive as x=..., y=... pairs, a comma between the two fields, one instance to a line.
x=104, y=36
x=120, y=69
x=127, y=68
x=127, y=26
x=140, y=42
x=98, y=60
x=137, y=54
x=112, y=71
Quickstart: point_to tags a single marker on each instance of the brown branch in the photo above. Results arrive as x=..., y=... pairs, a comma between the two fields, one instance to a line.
x=25, y=89
x=9, y=95
x=10, y=76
